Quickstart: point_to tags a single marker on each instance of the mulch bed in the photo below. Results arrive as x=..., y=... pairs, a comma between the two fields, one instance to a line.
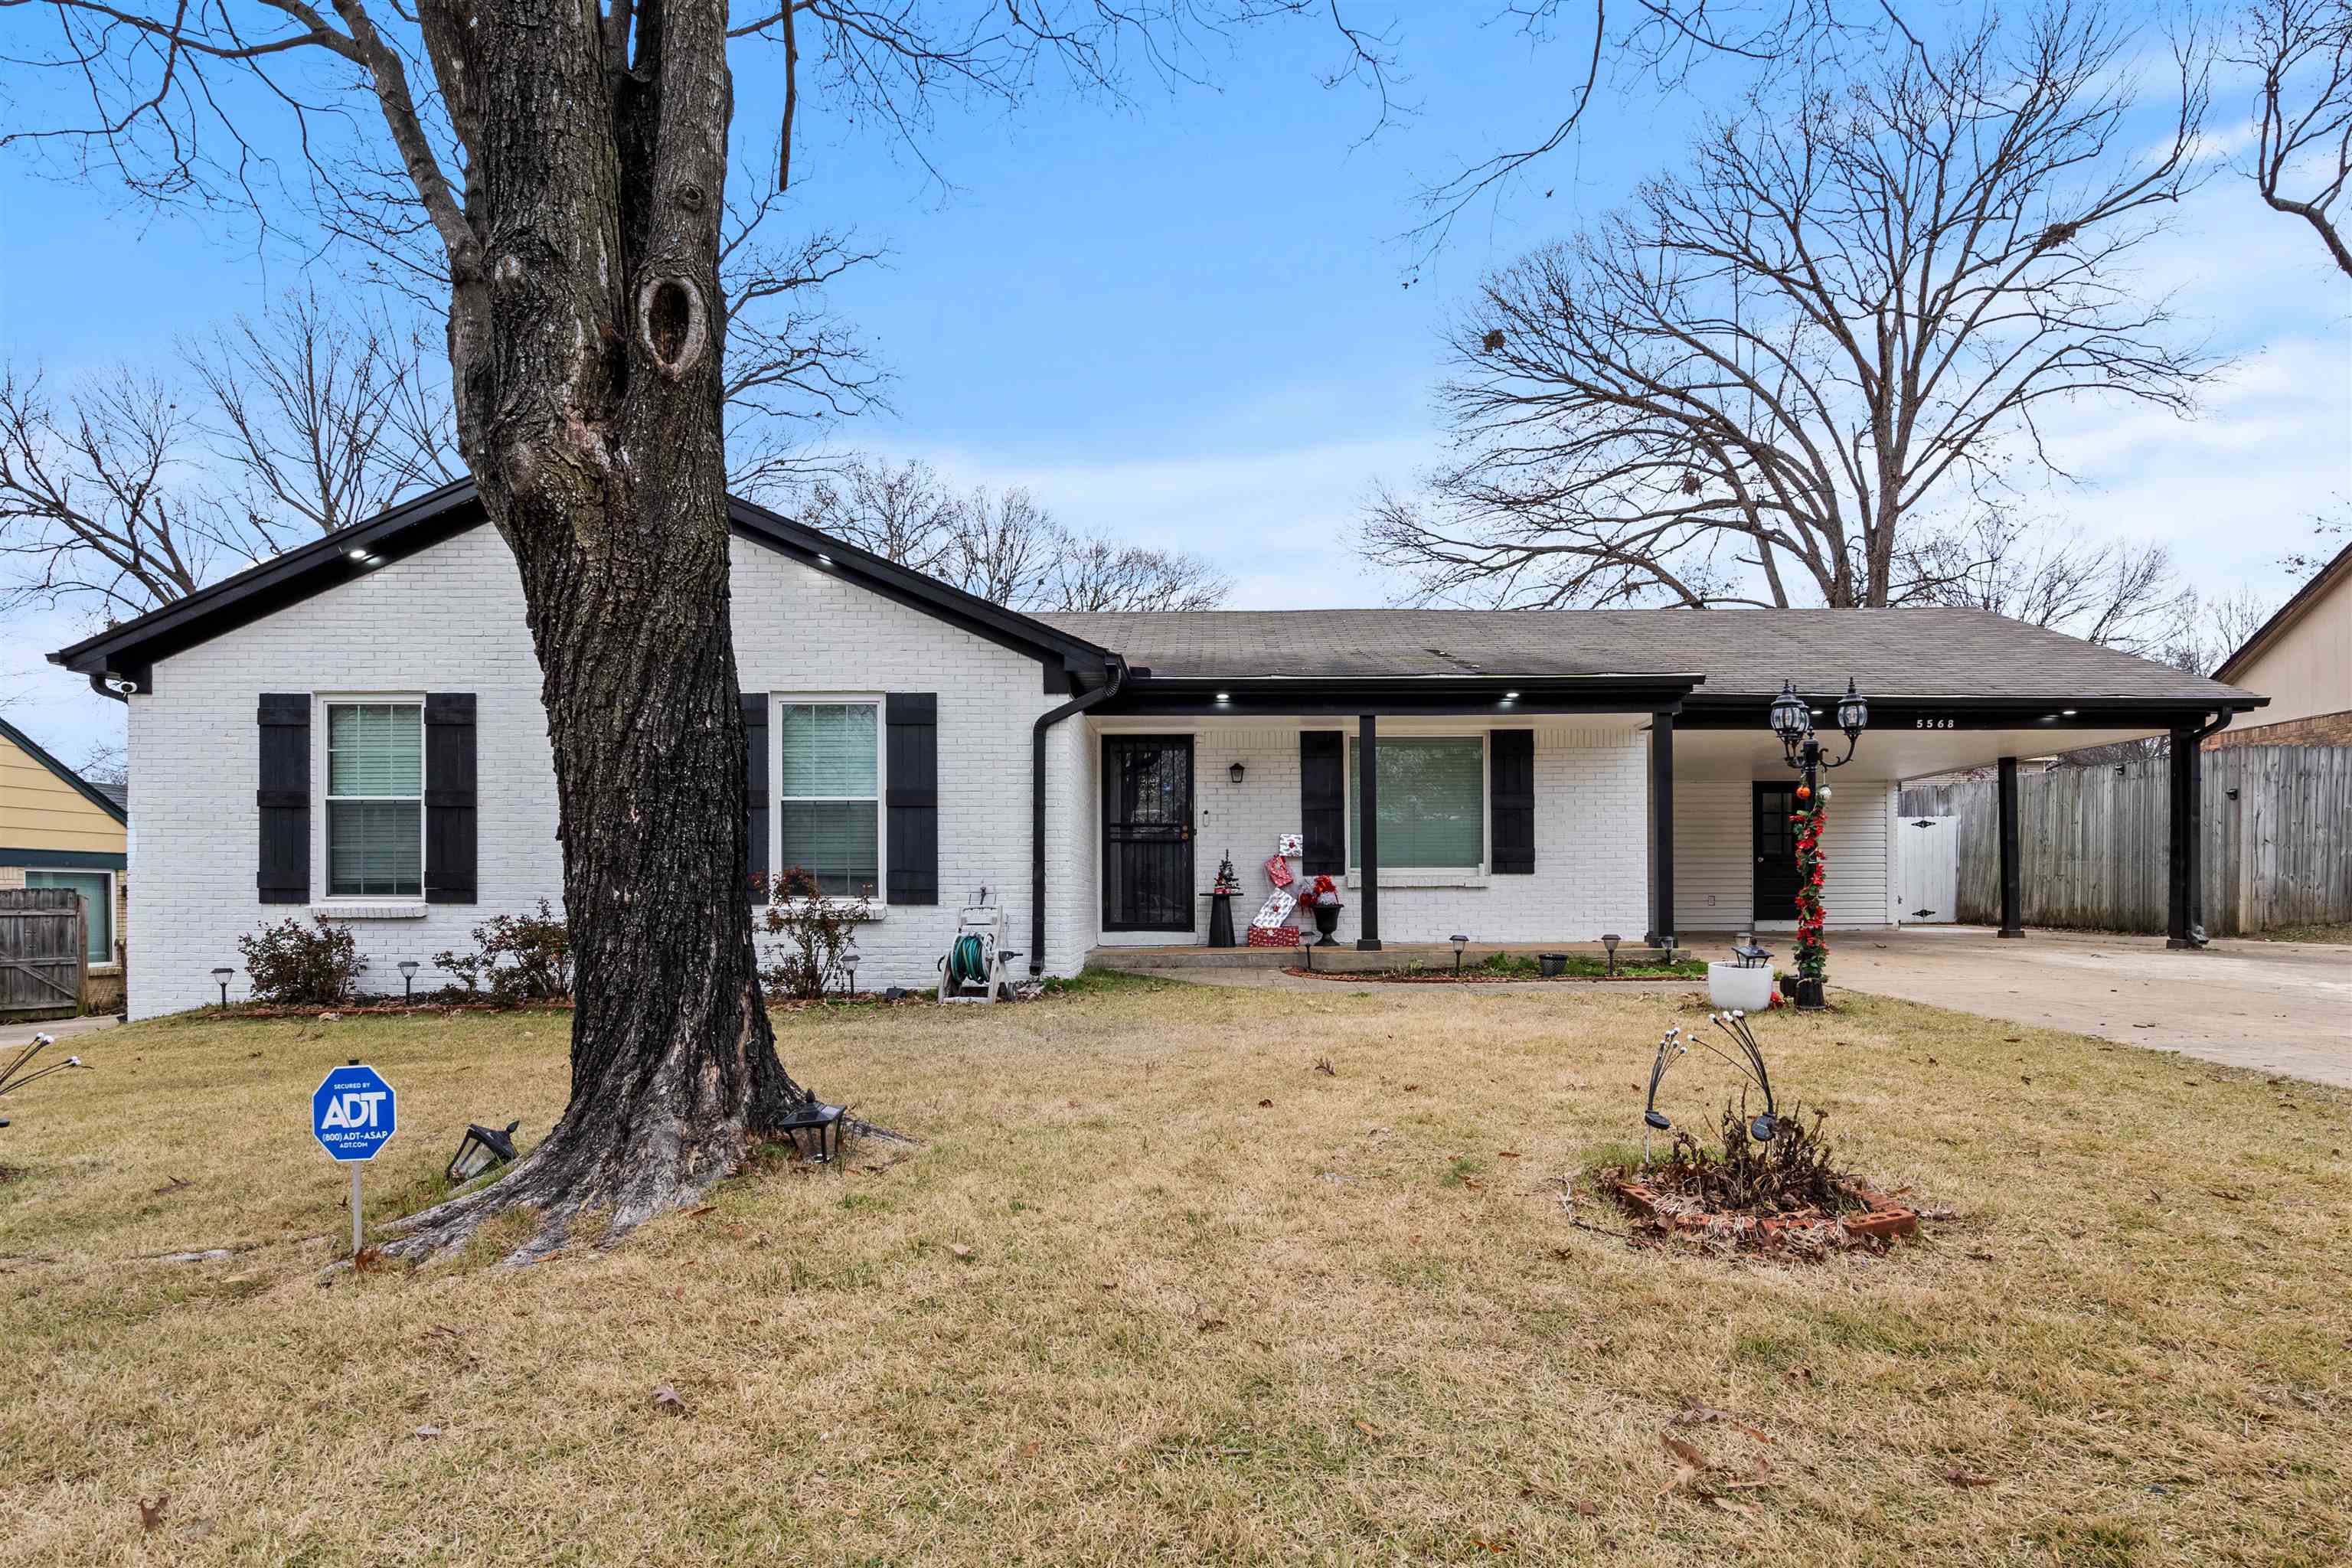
x=378, y=1008
x=1875, y=1222
x=1447, y=977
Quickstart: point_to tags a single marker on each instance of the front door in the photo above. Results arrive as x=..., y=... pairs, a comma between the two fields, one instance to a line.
x=1776, y=852
x=1147, y=833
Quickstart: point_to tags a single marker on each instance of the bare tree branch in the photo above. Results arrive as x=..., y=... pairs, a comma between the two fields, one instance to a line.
x=1783, y=376
x=2302, y=51
x=1001, y=545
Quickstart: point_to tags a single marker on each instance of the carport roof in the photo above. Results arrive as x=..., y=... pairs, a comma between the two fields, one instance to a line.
x=1743, y=654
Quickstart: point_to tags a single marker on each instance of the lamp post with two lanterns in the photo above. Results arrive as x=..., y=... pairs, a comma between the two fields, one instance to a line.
x=1792, y=721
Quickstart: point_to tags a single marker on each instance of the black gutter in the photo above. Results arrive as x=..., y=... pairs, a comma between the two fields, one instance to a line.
x=1046, y=721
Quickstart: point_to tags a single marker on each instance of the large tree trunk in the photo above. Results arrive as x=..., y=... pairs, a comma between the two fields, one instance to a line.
x=584, y=342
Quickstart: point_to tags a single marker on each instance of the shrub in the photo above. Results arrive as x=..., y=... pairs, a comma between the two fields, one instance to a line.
x=815, y=928
x=295, y=966
x=522, y=958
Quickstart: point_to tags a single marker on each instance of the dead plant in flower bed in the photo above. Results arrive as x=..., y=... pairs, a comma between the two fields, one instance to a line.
x=1784, y=1191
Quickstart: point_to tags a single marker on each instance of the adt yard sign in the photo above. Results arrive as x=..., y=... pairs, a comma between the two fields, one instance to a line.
x=353, y=1112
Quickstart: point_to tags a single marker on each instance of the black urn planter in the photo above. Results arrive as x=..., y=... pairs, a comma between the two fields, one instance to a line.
x=1809, y=995
x=1326, y=920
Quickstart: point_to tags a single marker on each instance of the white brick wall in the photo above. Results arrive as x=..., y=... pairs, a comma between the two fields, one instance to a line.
x=1591, y=826
x=450, y=619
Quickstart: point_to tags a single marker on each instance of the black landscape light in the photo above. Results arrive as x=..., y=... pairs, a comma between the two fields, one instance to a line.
x=220, y=978
x=480, y=1150
x=812, y=1115
x=1670, y=1050
x=1610, y=941
x=849, y=957
x=1459, y=942
x=408, y=967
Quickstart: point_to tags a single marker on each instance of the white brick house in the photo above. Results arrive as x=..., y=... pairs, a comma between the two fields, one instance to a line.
x=354, y=730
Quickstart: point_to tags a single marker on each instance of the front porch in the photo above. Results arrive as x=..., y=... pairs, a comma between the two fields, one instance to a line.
x=1345, y=958
x=1528, y=817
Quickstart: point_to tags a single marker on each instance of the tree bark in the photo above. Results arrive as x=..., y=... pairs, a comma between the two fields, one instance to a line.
x=584, y=343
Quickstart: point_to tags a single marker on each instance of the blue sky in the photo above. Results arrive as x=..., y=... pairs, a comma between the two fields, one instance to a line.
x=1183, y=320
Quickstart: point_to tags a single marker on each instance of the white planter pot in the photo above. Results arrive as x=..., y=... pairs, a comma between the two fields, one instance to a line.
x=1747, y=989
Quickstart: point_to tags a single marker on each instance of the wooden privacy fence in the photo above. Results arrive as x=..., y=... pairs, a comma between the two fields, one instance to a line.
x=2094, y=841
x=43, y=954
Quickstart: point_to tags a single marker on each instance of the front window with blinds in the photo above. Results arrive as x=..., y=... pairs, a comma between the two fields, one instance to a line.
x=829, y=821
x=375, y=800
x=1433, y=802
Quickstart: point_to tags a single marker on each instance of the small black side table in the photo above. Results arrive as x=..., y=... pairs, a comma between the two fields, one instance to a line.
x=1221, y=919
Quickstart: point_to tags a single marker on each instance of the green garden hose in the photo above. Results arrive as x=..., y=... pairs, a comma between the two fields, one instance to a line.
x=967, y=962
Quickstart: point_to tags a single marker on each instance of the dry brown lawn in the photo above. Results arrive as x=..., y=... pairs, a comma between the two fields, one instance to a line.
x=1155, y=1290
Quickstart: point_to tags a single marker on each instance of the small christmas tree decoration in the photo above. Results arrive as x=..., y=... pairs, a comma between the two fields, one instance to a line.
x=1226, y=881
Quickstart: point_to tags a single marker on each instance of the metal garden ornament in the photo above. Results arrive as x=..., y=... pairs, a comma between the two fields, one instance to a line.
x=21, y=1072
x=1750, y=1065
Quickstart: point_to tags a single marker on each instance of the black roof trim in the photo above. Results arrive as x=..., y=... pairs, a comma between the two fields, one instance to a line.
x=131, y=649
x=87, y=790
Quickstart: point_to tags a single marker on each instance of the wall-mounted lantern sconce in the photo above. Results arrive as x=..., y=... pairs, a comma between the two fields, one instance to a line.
x=1235, y=771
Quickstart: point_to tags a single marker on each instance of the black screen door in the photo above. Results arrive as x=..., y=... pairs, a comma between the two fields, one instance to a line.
x=1776, y=852
x=1147, y=833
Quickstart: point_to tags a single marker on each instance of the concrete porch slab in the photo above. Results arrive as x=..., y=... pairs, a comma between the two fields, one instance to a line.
x=1343, y=958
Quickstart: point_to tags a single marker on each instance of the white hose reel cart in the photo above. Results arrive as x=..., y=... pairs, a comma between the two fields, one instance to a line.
x=973, y=967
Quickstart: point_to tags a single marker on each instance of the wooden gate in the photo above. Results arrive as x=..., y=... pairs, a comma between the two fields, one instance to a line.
x=1928, y=870
x=43, y=954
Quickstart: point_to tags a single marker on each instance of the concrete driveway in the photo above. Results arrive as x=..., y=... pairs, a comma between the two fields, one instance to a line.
x=2282, y=1007
x=58, y=1029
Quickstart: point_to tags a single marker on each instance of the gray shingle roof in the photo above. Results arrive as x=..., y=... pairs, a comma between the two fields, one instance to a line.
x=1892, y=653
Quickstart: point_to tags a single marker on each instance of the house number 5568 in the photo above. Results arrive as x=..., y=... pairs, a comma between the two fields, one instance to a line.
x=1931, y=723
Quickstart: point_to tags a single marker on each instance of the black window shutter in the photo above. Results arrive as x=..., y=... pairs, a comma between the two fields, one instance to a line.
x=755, y=790
x=282, y=802
x=911, y=793
x=1323, y=801
x=1511, y=759
x=452, y=816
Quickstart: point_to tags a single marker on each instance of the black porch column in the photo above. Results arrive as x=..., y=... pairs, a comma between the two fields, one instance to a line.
x=1662, y=830
x=2012, y=875
x=2187, y=840
x=1368, y=834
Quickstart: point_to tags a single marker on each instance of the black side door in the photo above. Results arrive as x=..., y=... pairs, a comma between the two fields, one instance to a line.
x=1147, y=833
x=1776, y=852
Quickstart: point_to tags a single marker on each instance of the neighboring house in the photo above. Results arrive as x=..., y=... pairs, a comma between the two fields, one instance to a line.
x=60, y=830
x=2302, y=659
x=354, y=730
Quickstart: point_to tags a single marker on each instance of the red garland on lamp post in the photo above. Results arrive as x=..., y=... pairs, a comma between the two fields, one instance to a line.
x=1792, y=721
x=1813, y=941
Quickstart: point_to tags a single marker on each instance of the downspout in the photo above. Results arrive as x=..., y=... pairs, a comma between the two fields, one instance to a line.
x=1046, y=721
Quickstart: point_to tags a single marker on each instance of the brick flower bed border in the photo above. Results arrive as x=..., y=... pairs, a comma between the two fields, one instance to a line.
x=1882, y=1219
